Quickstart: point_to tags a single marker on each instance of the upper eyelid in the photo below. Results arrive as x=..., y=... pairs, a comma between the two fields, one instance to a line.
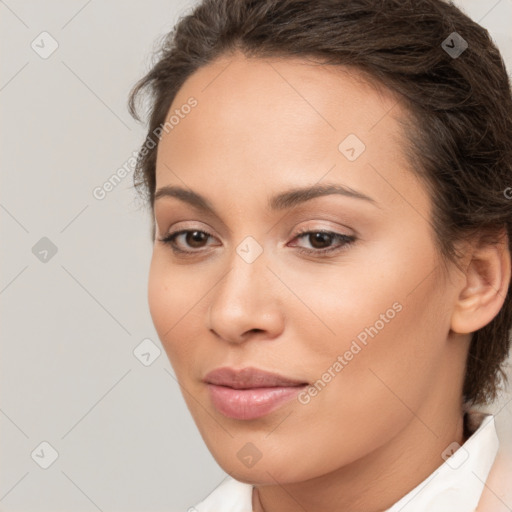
x=303, y=217
x=298, y=231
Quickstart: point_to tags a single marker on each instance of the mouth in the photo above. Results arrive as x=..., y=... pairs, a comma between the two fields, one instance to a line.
x=250, y=393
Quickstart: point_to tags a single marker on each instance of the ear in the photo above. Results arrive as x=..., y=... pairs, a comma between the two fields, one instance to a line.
x=485, y=286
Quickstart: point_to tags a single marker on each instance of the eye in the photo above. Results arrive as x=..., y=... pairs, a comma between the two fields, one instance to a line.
x=321, y=242
x=193, y=238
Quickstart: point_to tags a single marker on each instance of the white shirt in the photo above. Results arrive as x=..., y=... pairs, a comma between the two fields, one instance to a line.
x=455, y=486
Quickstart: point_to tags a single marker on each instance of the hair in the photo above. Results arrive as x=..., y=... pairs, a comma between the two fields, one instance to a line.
x=459, y=109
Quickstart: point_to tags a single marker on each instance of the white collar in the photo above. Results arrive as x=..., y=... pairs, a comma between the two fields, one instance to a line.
x=456, y=485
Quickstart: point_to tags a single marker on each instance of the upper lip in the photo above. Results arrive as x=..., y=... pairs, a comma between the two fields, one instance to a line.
x=247, y=378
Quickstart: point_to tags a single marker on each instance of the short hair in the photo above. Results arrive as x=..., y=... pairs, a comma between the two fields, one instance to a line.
x=459, y=105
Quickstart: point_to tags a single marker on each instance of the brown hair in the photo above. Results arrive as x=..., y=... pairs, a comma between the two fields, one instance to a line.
x=460, y=107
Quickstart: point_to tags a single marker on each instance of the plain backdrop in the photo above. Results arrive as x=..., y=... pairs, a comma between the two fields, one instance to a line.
x=73, y=287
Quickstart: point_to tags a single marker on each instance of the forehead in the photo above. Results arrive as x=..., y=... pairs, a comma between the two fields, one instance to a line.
x=267, y=93
x=279, y=122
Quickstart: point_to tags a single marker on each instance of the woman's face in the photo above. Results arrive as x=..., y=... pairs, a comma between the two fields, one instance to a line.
x=366, y=325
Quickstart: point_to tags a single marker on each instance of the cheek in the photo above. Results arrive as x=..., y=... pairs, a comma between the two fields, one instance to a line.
x=160, y=301
x=381, y=320
x=171, y=300
x=391, y=346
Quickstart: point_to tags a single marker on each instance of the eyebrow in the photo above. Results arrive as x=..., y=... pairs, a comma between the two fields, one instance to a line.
x=281, y=201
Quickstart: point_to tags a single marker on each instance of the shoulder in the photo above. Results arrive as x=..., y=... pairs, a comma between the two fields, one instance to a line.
x=230, y=496
x=497, y=493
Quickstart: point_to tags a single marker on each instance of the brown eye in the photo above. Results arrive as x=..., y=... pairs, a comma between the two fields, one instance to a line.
x=320, y=240
x=187, y=240
x=323, y=243
x=196, y=238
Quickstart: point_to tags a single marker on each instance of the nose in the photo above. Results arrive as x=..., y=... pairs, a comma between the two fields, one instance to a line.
x=246, y=303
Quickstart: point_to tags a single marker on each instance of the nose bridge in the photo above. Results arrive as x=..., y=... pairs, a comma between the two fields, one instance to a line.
x=244, y=299
x=242, y=286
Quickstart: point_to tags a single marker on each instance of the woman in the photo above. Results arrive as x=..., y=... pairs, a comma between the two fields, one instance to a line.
x=331, y=267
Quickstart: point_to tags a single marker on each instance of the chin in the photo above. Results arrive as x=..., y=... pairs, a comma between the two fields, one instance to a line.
x=266, y=471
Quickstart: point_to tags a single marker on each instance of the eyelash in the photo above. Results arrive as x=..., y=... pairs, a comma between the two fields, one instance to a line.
x=346, y=239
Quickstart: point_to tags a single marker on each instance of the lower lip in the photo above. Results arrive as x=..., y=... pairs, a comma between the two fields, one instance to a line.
x=248, y=404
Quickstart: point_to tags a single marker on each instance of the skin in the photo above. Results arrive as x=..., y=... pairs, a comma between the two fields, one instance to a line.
x=380, y=426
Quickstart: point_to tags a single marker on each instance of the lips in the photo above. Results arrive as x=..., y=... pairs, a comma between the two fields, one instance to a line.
x=249, y=393
x=249, y=378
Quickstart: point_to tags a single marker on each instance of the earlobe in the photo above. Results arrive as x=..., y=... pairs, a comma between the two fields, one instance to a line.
x=485, y=287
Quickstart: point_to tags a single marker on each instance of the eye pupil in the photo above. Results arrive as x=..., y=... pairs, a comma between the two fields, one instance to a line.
x=323, y=238
x=194, y=238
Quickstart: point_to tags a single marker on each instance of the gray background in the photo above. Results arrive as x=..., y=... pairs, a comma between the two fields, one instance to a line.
x=71, y=320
